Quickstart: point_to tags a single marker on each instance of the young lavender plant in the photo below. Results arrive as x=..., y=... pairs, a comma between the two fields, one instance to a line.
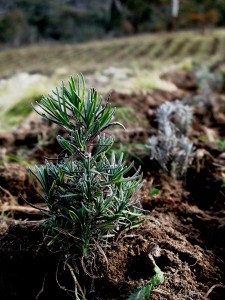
x=90, y=199
x=171, y=148
x=176, y=113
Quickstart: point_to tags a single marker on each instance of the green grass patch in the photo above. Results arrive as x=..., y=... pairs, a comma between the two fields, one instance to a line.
x=129, y=117
x=21, y=109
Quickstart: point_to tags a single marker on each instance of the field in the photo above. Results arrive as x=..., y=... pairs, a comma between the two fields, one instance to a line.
x=126, y=65
x=184, y=212
x=145, y=51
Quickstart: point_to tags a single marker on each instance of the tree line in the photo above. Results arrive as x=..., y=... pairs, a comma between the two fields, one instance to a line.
x=32, y=21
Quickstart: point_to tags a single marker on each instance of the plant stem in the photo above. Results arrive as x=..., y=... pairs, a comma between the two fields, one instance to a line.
x=77, y=285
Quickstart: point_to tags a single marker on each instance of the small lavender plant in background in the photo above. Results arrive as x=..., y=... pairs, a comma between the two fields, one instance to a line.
x=171, y=148
x=208, y=82
x=175, y=113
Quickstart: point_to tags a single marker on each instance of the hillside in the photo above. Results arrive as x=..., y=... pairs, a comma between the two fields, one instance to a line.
x=125, y=64
x=145, y=51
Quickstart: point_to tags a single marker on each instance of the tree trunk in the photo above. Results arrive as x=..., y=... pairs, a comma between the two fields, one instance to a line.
x=174, y=13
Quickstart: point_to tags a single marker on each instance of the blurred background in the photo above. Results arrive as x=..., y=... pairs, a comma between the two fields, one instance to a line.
x=33, y=21
x=118, y=45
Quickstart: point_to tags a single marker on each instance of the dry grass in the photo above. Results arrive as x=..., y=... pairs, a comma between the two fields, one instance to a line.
x=144, y=56
x=145, y=51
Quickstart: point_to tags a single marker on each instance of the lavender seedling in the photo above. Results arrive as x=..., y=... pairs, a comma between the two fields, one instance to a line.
x=175, y=113
x=89, y=196
x=171, y=148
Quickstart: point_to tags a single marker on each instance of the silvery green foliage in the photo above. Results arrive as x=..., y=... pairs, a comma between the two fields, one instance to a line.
x=89, y=197
x=177, y=113
x=207, y=80
x=171, y=148
x=200, y=101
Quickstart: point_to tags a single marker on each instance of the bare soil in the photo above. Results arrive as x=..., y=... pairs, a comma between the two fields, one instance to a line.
x=184, y=224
